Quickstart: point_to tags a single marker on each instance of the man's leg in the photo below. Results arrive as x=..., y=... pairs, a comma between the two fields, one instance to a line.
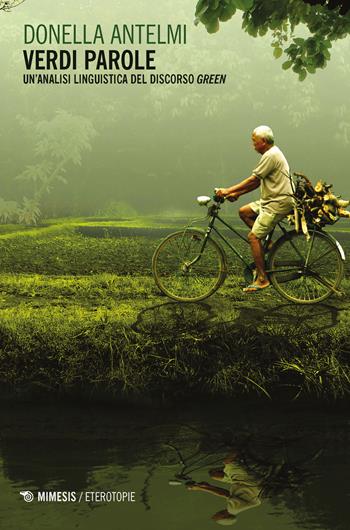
x=264, y=223
x=259, y=259
x=248, y=215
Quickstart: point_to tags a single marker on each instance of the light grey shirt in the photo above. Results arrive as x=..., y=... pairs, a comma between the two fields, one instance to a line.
x=276, y=189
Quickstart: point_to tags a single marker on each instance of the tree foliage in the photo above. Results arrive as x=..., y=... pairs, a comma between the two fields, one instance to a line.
x=57, y=143
x=9, y=211
x=7, y=5
x=326, y=22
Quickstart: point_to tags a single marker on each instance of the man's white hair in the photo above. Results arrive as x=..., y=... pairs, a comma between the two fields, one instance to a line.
x=264, y=132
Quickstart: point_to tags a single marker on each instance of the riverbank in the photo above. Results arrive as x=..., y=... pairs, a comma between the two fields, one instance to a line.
x=114, y=336
x=81, y=316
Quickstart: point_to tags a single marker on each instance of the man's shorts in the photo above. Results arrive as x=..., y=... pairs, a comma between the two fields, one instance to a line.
x=266, y=221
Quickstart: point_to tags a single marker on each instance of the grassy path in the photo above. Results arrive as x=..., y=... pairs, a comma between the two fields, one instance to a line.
x=81, y=315
x=117, y=335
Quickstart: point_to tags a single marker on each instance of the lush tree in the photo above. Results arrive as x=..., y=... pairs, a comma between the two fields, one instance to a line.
x=305, y=54
x=57, y=143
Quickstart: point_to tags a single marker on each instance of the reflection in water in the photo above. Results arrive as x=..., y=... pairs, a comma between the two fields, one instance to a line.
x=300, y=473
x=263, y=470
x=243, y=493
x=254, y=469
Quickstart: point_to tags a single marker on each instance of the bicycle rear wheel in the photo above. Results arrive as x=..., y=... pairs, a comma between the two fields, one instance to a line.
x=182, y=272
x=305, y=272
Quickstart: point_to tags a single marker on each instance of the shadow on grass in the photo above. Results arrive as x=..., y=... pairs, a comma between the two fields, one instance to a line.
x=176, y=318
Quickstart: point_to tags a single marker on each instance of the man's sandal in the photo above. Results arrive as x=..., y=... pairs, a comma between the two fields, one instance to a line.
x=255, y=288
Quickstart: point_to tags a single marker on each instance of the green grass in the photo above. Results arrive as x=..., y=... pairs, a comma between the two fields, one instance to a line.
x=116, y=335
x=83, y=315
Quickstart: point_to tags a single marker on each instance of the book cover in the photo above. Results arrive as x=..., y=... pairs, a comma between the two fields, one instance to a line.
x=173, y=353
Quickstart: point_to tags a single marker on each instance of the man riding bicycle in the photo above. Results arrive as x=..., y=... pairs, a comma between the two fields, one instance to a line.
x=276, y=200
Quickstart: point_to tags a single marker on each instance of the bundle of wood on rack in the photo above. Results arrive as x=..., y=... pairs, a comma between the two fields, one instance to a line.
x=315, y=206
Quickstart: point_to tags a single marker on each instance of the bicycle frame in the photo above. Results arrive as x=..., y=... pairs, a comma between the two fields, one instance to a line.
x=302, y=269
x=213, y=212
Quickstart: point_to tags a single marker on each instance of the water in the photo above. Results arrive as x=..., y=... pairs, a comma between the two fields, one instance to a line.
x=289, y=468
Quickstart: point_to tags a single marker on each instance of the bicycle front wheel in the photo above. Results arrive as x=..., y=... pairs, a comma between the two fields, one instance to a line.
x=306, y=271
x=184, y=270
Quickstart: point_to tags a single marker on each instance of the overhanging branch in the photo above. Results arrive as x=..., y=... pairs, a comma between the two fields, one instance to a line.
x=7, y=5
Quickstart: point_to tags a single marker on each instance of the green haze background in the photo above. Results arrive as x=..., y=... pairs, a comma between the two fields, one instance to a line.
x=156, y=148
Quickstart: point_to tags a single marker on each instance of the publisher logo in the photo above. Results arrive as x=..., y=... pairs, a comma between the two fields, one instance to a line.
x=27, y=496
x=94, y=497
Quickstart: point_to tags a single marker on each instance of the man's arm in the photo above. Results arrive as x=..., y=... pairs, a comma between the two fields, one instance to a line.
x=245, y=186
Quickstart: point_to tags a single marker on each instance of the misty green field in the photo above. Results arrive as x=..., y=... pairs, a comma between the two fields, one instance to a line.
x=81, y=314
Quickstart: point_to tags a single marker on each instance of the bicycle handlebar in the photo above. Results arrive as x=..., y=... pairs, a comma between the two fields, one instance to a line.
x=216, y=198
x=221, y=200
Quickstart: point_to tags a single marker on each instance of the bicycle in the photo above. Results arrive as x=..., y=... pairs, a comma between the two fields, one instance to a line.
x=189, y=265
